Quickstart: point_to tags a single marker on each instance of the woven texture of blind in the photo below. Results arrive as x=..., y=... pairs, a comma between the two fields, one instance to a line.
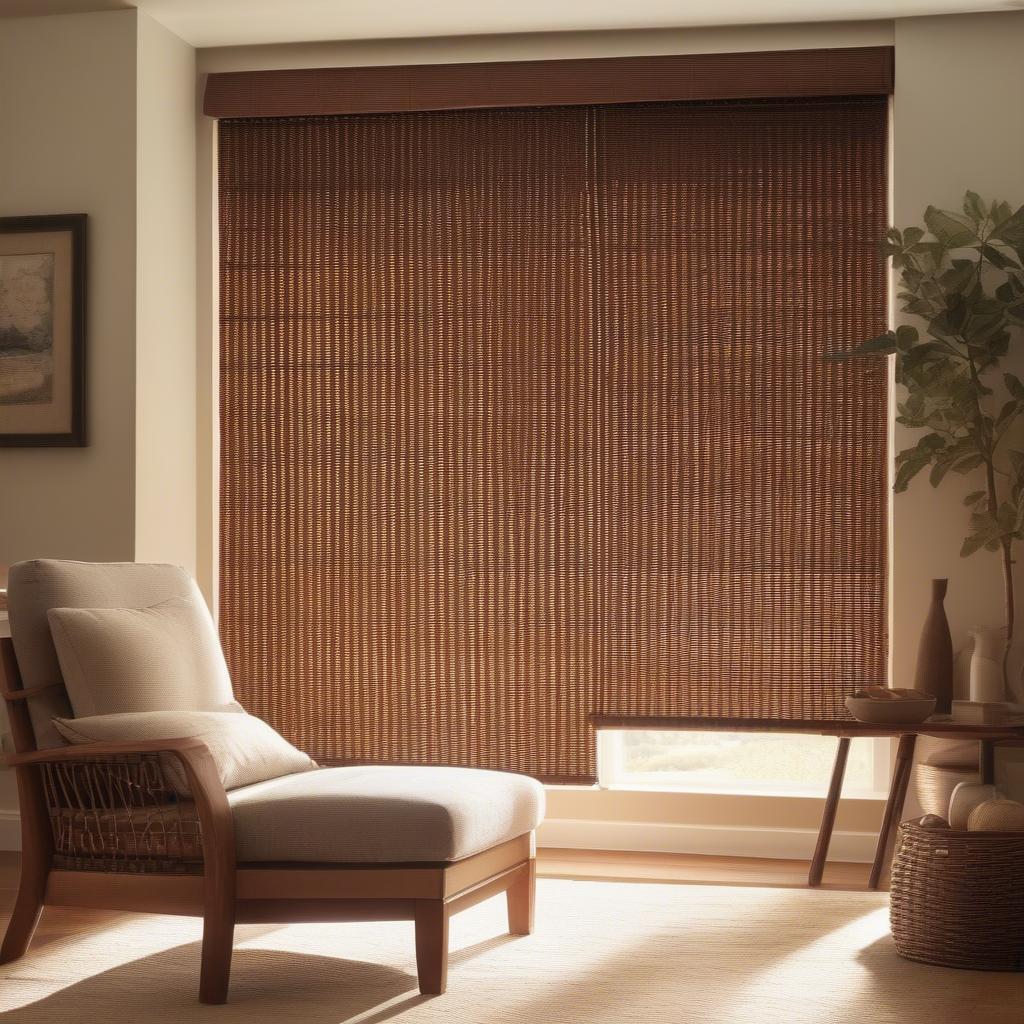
x=524, y=417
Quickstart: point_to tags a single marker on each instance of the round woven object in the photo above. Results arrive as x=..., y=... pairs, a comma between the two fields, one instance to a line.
x=957, y=898
x=997, y=816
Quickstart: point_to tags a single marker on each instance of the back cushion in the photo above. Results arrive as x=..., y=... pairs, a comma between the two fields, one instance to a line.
x=163, y=658
x=36, y=586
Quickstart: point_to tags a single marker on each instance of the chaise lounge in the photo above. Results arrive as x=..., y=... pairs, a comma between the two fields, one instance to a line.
x=224, y=820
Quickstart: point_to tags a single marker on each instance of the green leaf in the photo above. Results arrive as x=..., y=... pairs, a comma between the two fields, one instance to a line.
x=965, y=465
x=975, y=542
x=913, y=304
x=1014, y=386
x=960, y=276
x=911, y=461
x=974, y=207
x=952, y=230
x=997, y=258
x=939, y=470
x=907, y=472
x=974, y=497
x=1000, y=211
x=1008, y=411
x=883, y=345
x=985, y=325
x=1007, y=517
x=1011, y=229
x=906, y=337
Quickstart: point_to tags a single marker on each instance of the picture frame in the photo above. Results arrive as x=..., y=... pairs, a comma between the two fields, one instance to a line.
x=42, y=330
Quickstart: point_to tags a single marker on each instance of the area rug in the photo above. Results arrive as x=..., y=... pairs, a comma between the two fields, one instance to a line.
x=602, y=952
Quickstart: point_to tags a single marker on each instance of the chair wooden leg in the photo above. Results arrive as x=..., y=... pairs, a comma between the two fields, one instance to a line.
x=215, y=969
x=218, y=937
x=27, y=909
x=432, y=946
x=36, y=857
x=521, y=897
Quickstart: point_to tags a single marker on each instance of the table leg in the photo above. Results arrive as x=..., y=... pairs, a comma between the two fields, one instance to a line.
x=828, y=814
x=893, y=806
x=988, y=762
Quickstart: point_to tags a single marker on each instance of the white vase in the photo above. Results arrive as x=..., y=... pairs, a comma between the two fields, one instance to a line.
x=965, y=798
x=987, y=665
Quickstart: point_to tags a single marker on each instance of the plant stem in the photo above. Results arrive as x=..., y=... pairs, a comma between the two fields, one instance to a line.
x=993, y=508
x=1008, y=595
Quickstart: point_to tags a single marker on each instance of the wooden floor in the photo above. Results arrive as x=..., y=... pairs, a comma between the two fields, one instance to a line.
x=584, y=865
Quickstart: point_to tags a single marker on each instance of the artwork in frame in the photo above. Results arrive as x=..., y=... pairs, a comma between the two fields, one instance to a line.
x=42, y=330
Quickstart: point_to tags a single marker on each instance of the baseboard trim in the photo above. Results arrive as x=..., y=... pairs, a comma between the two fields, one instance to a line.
x=648, y=837
x=710, y=840
x=10, y=830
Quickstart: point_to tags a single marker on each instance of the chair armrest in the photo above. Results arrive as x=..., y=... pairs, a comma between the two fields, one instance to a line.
x=185, y=747
x=208, y=795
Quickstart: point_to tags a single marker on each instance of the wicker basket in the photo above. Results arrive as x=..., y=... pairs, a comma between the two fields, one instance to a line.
x=934, y=785
x=957, y=898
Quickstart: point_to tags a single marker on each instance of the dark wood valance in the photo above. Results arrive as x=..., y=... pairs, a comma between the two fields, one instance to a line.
x=848, y=71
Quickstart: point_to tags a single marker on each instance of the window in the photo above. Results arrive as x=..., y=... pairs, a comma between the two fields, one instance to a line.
x=753, y=763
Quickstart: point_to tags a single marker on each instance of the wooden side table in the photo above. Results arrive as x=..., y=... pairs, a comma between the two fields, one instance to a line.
x=845, y=730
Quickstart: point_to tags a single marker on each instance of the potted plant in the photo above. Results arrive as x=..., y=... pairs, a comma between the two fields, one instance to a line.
x=962, y=274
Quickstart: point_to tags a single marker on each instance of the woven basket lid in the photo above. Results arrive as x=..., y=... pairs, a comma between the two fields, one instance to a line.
x=997, y=816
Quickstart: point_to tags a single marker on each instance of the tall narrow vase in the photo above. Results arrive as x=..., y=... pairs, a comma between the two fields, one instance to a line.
x=935, y=654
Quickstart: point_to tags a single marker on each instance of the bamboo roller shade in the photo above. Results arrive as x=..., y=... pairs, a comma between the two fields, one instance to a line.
x=524, y=416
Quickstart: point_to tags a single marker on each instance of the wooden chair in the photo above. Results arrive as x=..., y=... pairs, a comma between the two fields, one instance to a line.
x=101, y=827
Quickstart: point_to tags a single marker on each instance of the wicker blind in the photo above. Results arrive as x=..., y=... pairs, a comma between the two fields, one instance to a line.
x=524, y=417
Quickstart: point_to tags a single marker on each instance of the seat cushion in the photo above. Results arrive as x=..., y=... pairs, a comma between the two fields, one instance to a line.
x=36, y=586
x=245, y=749
x=163, y=658
x=383, y=814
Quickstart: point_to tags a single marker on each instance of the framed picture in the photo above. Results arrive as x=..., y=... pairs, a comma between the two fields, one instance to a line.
x=42, y=330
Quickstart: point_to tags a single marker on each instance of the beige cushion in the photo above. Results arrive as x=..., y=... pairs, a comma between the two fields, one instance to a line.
x=164, y=658
x=245, y=749
x=381, y=814
x=34, y=587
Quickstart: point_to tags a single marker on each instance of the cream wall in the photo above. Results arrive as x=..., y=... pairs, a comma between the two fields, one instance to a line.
x=101, y=108
x=67, y=118
x=958, y=125
x=165, y=372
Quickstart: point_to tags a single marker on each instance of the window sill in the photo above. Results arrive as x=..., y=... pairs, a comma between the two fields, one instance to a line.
x=739, y=790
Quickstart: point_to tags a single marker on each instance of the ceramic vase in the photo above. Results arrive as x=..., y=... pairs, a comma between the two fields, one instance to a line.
x=935, y=654
x=965, y=798
x=987, y=665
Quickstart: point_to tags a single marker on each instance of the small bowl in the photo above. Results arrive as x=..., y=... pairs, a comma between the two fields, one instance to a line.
x=890, y=712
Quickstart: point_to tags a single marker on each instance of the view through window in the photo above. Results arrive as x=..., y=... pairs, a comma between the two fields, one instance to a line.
x=746, y=762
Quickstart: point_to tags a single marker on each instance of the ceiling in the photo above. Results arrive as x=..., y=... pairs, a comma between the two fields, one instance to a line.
x=242, y=22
